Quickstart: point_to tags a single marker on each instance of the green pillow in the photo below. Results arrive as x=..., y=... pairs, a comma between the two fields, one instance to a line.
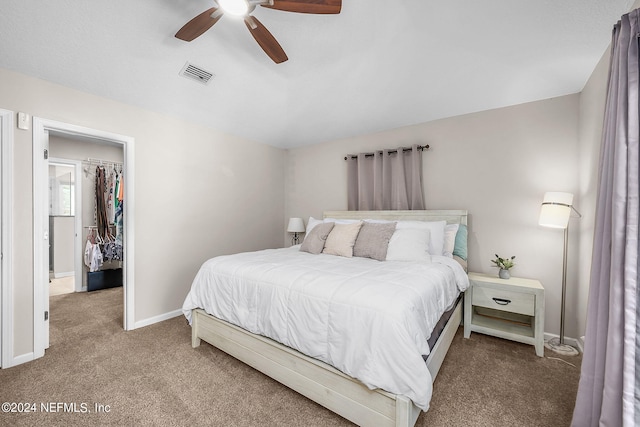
x=460, y=248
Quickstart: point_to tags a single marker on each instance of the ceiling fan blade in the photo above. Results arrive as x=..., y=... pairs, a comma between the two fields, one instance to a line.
x=307, y=6
x=267, y=42
x=198, y=25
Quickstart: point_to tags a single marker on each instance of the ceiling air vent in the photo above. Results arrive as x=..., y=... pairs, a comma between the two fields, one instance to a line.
x=196, y=73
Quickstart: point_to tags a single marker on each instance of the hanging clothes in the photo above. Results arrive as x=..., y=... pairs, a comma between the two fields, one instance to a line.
x=88, y=251
x=101, y=209
x=92, y=253
x=116, y=191
x=119, y=226
x=110, y=195
x=119, y=218
x=106, y=242
x=113, y=247
x=120, y=188
x=111, y=251
x=96, y=258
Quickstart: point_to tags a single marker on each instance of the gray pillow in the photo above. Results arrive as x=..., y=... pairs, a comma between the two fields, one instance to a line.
x=314, y=241
x=373, y=240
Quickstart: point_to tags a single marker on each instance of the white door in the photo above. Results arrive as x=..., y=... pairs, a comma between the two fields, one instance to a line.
x=43, y=280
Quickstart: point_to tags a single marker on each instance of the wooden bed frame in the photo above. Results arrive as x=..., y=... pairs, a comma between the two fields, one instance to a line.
x=319, y=381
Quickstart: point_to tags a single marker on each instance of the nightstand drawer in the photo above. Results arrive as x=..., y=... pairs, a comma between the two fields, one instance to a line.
x=501, y=299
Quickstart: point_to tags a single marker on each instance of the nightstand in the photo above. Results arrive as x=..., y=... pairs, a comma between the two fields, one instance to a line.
x=512, y=309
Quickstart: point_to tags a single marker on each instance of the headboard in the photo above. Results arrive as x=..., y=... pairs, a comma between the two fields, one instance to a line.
x=451, y=216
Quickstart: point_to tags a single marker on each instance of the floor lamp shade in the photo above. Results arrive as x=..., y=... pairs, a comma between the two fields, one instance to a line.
x=556, y=210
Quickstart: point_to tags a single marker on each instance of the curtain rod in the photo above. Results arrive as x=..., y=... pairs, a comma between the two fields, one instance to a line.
x=420, y=147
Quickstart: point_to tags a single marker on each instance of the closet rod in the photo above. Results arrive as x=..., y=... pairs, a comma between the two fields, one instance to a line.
x=404, y=150
x=101, y=161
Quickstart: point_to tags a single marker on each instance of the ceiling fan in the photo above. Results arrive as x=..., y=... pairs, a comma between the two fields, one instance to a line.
x=201, y=23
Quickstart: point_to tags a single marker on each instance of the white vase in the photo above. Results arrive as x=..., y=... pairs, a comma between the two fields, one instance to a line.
x=504, y=273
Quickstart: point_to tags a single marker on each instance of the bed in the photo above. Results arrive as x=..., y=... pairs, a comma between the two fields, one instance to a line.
x=337, y=376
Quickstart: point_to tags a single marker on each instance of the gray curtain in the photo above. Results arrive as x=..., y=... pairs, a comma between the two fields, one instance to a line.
x=385, y=180
x=608, y=389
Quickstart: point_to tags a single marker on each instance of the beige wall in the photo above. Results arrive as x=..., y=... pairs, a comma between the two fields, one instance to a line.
x=199, y=193
x=497, y=164
x=592, y=103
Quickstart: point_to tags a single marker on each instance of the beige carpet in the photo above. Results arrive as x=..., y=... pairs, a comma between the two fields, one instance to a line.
x=152, y=376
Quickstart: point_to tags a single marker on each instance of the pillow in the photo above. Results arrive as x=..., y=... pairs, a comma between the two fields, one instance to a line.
x=312, y=223
x=314, y=241
x=341, y=239
x=460, y=248
x=450, y=231
x=373, y=240
x=409, y=244
x=436, y=229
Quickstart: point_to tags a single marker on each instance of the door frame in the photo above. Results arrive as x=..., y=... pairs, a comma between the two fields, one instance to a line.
x=41, y=130
x=77, y=222
x=6, y=238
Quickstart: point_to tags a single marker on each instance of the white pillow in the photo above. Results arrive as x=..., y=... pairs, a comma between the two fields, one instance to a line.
x=436, y=229
x=312, y=223
x=450, y=231
x=409, y=244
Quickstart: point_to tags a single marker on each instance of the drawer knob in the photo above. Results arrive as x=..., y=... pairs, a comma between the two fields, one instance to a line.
x=501, y=301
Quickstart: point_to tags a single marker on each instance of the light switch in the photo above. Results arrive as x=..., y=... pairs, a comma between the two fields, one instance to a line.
x=23, y=121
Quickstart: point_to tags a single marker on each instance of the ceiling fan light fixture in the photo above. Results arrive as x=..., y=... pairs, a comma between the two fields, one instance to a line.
x=234, y=7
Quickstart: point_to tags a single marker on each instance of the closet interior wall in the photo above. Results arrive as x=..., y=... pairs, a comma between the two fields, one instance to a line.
x=81, y=150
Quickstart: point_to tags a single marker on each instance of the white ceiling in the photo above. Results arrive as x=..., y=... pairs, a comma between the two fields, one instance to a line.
x=378, y=65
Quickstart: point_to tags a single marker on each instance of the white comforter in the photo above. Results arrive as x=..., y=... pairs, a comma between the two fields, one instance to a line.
x=369, y=319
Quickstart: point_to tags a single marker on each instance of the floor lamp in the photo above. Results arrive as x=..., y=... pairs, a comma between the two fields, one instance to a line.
x=555, y=213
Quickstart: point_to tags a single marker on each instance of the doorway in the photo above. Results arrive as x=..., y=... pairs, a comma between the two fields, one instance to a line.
x=65, y=226
x=42, y=130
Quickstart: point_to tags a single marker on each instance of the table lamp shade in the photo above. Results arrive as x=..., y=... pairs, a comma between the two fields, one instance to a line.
x=296, y=225
x=556, y=210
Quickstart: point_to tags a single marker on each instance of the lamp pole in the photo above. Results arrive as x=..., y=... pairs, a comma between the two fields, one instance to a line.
x=564, y=282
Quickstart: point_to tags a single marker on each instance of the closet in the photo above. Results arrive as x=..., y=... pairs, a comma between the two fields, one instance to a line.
x=103, y=251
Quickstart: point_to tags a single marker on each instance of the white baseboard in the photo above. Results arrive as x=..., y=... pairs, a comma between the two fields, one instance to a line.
x=63, y=274
x=568, y=340
x=156, y=319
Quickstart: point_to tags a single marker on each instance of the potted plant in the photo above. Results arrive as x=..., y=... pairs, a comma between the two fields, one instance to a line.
x=504, y=264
